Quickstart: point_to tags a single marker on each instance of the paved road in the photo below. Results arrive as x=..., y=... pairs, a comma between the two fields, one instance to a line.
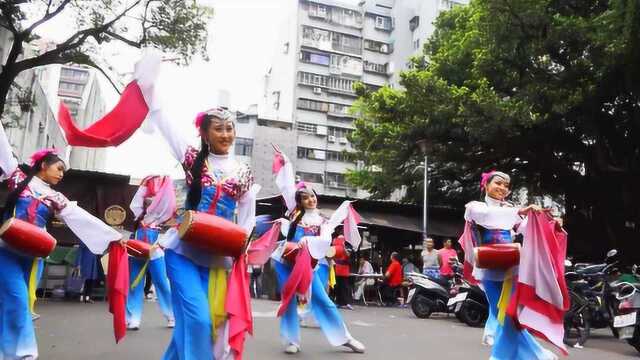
x=72, y=331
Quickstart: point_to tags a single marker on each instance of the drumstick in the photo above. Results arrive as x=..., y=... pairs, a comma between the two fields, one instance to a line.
x=246, y=250
x=134, y=250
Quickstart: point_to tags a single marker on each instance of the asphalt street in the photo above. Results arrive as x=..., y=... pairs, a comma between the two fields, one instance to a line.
x=71, y=330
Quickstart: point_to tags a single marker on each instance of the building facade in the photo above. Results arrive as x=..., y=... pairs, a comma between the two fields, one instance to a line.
x=31, y=108
x=28, y=117
x=326, y=48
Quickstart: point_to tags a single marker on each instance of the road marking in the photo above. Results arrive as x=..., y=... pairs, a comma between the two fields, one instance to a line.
x=362, y=323
x=265, y=314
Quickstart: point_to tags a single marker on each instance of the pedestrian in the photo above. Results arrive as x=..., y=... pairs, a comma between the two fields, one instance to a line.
x=494, y=220
x=343, y=273
x=309, y=235
x=220, y=185
x=153, y=204
x=364, y=268
x=430, y=259
x=392, y=284
x=408, y=267
x=31, y=199
x=256, y=281
x=445, y=255
x=88, y=270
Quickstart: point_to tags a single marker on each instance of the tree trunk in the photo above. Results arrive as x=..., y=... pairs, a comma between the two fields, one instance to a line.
x=6, y=79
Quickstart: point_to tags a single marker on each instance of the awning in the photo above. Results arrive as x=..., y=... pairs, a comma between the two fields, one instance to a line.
x=435, y=227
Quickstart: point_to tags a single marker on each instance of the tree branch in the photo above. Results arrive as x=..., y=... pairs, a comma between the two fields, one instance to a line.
x=91, y=63
x=47, y=16
x=73, y=42
x=123, y=39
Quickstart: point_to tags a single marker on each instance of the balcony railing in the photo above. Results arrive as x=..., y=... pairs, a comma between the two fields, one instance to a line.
x=330, y=83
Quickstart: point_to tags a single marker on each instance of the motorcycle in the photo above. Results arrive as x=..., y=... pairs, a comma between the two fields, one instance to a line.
x=593, y=300
x=470, y=304
x=627, y=322
x=428, y=294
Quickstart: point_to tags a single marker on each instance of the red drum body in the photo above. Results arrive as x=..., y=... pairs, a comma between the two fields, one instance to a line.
x=291, y=251
x=213, y=234
x=27, y=238
x=497, y=256
x=139, y=249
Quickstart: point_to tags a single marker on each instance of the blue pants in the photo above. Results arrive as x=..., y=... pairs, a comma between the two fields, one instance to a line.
x=510, y=343
x=191, y=338
x=323, y=309
x=17, y=335
x=135, y=300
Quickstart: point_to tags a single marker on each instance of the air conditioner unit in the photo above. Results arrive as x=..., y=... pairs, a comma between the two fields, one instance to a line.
x=317, y=90
x=331, y=138
x=384, y=48
x=343, y=140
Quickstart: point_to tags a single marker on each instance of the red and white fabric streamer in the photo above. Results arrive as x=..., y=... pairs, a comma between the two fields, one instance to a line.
x=541, y=296
x=123, y=120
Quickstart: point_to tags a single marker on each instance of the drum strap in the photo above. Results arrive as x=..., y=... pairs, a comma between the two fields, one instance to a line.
x=217, y=294
x=33, y=284
x=140, y=275
x=505, y=297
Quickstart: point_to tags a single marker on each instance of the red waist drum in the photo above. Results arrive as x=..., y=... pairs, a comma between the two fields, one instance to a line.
x=139, y=249
x=27, y=238
x=212, y=234
x=497, y=256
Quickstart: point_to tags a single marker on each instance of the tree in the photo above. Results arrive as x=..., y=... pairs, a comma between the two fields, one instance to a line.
x=174, y=26
x=548, y=91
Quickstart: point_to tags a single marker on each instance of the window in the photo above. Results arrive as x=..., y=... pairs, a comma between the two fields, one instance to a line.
x=383, y=23
x=337, y=84
x=378, y=46
x=310, y=177
x=337, y=156
x=276, y=99
x=307, y=128
x=338, y=132
x=335, y=180
x=317, y=10
x=244, y=146
x=373, y=67
x=313, y=105
x=339, y=109
x=312, y=154
x=315, y=58
x=285, y=48
x=416, y=44
x=414, y=23
x=346, y=43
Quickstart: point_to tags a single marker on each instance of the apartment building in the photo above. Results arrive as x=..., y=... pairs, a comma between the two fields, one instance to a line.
x=324, y=48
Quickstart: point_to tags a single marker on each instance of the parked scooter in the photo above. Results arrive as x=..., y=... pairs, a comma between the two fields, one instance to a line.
x=428, y=294
x=470, y=305
x=593, y=300
x=626, y=321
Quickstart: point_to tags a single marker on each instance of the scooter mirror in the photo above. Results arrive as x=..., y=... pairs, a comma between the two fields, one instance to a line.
x=568, y=263
x=612, y=253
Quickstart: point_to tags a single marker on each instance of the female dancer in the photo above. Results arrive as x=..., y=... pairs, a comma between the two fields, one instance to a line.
x=309, y=229
x=494, y=221
x=219, y=185
x=153, y=204
x=33, y=200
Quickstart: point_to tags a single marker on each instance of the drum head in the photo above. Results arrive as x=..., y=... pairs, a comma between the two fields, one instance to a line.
x=6, y=225
x=186, y=223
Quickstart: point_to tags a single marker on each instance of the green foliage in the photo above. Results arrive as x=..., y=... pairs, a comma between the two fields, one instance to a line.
x=548, y=91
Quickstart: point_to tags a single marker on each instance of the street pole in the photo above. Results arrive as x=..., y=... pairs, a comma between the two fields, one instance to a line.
x=426, y=183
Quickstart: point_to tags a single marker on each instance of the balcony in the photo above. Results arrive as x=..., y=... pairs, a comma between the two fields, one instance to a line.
x=376, y=68
x=336, y=15
x=329, y=83
x=331, y=41
x=339, y=110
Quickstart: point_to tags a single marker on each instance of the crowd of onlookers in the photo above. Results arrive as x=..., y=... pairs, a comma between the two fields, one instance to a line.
x=386, y=277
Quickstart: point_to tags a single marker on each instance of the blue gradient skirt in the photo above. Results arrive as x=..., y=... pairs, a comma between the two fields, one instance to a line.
x=322, y=308
x=510, y=343
x=17, y=335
